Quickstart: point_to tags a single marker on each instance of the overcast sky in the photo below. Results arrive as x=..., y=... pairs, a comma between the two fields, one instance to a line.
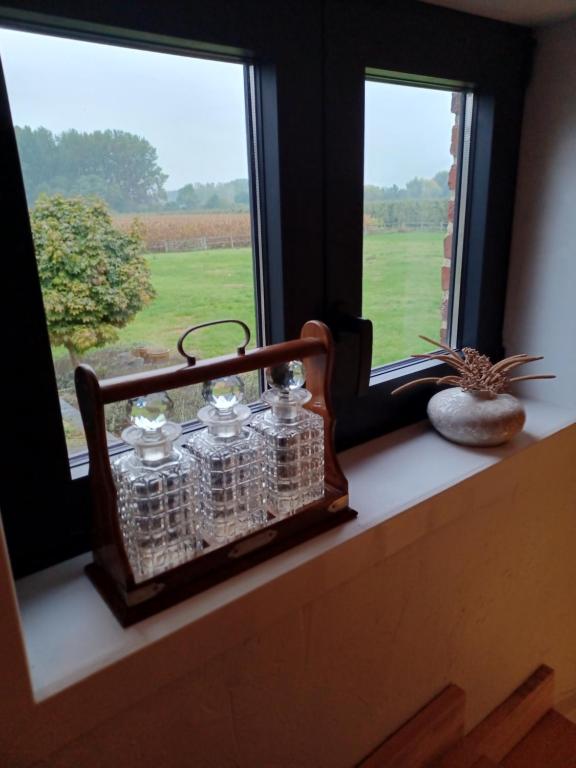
x=192, y=111
x=407, y=133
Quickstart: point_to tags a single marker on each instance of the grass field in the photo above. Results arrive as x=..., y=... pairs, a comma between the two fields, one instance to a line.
x=402, y=291
x=402, y=296
x=194, y=288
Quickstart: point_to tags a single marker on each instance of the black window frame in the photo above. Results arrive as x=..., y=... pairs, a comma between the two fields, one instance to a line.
x=467, y=116
x=417, y=42
x=310, y=58
x=45, y=507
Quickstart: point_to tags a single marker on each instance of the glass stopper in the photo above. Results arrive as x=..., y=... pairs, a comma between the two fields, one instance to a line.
x=286, y=376
x=149, y=412
x=223, y=393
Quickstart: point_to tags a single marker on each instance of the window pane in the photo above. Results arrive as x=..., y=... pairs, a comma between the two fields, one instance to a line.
x=136, y=174
x=410, y=173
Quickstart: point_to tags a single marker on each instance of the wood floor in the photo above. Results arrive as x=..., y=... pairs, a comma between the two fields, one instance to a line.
x=550, y=744
x=522, y=732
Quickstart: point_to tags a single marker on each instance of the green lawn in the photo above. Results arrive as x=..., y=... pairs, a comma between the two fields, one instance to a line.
x=402, y=291
x=402, y=297
x=194, y=288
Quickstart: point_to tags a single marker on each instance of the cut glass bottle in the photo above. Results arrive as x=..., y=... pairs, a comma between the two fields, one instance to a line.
x=294, y=441
x=231, y=491
x=156, y=491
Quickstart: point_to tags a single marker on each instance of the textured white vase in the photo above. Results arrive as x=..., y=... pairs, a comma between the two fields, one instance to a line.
x=476, y=418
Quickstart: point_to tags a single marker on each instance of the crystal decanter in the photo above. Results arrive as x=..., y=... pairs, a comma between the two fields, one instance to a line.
x=294, y=439
x=156, y=490
x=231, y=490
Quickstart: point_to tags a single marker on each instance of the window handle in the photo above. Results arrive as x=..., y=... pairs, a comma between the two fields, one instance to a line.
x=365, y=367
x=353, y=337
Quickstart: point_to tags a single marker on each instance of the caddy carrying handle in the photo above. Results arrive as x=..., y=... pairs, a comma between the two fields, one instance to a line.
x=191, y=359
x=314, y=347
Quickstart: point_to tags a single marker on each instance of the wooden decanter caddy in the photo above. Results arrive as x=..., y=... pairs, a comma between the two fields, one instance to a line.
x=111, y=572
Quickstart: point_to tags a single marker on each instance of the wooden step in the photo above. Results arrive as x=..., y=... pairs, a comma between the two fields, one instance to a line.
x=550, y=744
x=427, y=735
x=507, y=725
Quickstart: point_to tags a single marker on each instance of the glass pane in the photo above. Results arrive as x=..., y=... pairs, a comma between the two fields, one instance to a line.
x=410, y=173
x=136, y=175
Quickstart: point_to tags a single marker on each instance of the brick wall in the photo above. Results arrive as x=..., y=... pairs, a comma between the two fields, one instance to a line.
x=448, y=240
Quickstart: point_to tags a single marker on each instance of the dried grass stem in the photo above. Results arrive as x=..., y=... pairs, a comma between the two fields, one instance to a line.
x=476, y=372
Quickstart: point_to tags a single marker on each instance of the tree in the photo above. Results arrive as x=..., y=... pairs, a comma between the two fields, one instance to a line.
x=372, y=193
x=214, y=202
x=242, y=197
x=414, y=187
x=37, y=149
x=441, y=178
x=187, y=198
x=94, y=278
x=120, y=167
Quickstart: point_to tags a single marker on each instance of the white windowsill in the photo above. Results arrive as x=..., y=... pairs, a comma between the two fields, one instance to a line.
x=70, y=634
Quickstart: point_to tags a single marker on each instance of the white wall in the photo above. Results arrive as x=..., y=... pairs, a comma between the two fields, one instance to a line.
x=541, y=309
x=480, y=602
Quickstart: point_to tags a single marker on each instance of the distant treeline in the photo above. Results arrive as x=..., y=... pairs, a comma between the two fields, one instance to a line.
x=416, y=189
x=117, y=167
x=122, y=169
x=421, y=203
x=221, y=196
x=408, y=214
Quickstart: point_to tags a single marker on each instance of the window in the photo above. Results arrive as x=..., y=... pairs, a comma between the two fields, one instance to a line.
x=428, y=50
x=413, y=152
x=306, y=68
x=146, y=152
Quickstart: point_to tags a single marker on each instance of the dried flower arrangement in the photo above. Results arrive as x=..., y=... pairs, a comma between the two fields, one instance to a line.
x=475, y=372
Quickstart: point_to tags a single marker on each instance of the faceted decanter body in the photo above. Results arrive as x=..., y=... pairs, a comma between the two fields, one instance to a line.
x=294, y=441
x=156, y=491
x=231, y=491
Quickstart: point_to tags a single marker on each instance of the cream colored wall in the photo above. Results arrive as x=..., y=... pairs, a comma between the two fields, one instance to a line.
x=541, y=304
x=480, y=602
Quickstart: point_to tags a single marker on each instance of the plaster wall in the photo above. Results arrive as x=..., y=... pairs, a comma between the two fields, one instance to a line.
x=541, y=304
x=480, y=601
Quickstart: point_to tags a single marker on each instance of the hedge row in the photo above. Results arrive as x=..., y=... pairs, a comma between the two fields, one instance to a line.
x=410, y=214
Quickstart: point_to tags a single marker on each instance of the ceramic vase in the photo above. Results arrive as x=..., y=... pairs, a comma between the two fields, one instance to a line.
x=476, y=418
